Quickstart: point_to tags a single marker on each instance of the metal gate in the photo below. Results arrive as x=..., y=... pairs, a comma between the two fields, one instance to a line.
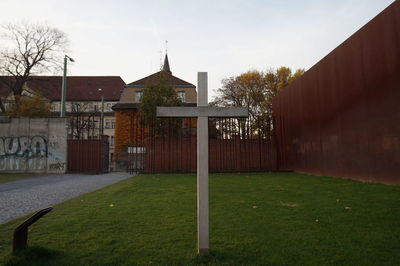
x=169, y=145
x=88, y=155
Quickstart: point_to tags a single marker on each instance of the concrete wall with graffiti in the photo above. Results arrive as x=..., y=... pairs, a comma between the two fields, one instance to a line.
x=33, y=145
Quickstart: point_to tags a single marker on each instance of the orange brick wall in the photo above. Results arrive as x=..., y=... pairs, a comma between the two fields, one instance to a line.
x=122, y=129
x=129, y=131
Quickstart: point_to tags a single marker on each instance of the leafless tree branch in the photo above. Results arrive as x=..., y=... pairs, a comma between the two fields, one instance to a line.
x=33, y=49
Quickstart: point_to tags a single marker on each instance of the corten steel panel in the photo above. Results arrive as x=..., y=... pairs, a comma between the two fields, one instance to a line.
x=178, y=155
x=236, y=155
x=353, y=153
x=342, y=117
x=328, y=120
x=310, y=132
x=85, y=156
x=172, y=147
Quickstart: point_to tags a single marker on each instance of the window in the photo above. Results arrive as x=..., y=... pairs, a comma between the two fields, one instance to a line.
x=108, y=108
x=138, y=96
x=112, y=123
x=112, y=141
x=181, y=95
x=75, y=107
x=53, y=107
x=108, y=123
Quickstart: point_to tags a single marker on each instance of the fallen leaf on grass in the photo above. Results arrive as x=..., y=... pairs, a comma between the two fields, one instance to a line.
x=111, y=205
x=317, y=220
x=255, y=207
x=279, y=188
x=290, y=204
x=347, y=208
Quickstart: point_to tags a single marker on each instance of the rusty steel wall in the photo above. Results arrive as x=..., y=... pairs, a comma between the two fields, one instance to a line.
x=342, y=117
x=87, y=156
x=226, y=155
x=168, y=145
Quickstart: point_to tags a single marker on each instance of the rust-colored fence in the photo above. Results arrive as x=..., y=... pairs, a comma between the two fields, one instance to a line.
x=169, y=145
x=342, y=118
x=226, y=155
x=88, y=156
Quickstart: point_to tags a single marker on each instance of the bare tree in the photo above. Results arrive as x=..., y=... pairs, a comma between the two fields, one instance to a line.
x=83, y=121
x=28, y=49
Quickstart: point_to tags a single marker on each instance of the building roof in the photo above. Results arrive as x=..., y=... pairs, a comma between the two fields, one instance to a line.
x=165, y=75
x=135, y=106
x=170, y=79
x=79, y=88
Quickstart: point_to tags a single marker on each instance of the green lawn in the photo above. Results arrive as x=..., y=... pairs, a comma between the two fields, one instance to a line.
x=12, y=177
x=255, y=219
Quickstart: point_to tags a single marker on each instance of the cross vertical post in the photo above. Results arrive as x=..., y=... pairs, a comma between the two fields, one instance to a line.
x=202, y=112
x=202, y=167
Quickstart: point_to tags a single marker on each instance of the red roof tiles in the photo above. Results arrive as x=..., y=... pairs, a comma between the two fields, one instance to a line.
x=79, y=88
x=170, y=79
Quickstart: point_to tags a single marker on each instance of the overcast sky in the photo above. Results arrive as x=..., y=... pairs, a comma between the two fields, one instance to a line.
x=223, y=37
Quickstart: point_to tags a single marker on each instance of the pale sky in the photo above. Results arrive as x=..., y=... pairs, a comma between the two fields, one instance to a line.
x=222, y=37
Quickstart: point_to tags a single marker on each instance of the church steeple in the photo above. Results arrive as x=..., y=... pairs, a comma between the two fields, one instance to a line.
x=166, y=65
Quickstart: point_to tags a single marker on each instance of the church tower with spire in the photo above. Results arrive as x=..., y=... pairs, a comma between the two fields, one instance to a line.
x=166, y=65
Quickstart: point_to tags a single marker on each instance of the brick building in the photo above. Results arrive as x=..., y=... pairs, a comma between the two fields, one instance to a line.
x=127, y=108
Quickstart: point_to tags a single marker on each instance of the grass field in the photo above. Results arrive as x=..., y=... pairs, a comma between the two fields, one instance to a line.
x=255, y=219
x=12, y=177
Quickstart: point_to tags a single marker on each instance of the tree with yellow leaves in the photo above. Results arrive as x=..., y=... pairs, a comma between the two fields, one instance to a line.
x=35, y=106
x=255, y=90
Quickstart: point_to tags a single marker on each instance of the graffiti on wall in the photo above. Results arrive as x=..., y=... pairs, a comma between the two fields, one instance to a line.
x=58, y=166
x=22, y=153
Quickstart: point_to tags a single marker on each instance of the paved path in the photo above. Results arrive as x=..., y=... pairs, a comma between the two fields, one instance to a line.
x=24, y=196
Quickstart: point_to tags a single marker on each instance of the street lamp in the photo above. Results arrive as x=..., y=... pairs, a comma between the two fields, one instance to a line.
x=64, y=85
x=102, y=114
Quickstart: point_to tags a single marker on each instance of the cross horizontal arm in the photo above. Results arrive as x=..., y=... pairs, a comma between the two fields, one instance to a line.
x=202, y=111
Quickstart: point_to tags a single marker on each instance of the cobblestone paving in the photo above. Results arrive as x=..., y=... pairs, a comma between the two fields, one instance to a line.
x=24, y=196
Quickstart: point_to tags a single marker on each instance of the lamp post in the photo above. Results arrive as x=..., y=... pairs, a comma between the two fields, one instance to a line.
x=102, y=114
x=64, y=85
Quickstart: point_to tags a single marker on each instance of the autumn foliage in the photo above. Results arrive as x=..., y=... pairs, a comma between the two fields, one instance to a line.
x=34, y=106
x=255, y=90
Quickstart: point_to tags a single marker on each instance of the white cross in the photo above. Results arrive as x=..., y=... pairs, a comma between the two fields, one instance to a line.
x=202, y=112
